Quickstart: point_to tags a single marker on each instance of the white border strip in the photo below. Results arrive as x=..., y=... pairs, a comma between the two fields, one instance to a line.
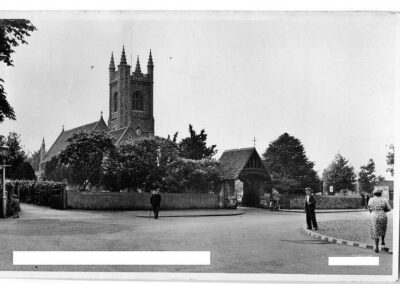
x=111, y=258
x=353, y=261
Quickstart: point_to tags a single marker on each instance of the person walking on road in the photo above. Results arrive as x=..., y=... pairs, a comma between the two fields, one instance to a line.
x=310, y=203
x=155, y=201
x=378, y=207
x=366, y=200
x=275, y=200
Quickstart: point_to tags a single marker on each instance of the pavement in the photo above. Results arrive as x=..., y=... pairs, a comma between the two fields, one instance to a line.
x=192, y=213
x=317, y=211
x=257, y=241
x=345, y=242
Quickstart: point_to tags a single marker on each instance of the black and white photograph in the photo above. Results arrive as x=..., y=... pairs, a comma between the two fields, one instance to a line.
x=194, y=145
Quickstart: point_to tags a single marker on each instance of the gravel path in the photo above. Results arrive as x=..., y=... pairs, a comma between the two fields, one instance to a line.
x=354, y=230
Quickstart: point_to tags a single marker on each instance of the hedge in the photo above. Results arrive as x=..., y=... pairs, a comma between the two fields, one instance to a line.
x=35, y=192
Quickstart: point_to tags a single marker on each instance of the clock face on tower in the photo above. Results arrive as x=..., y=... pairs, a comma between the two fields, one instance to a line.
x=138, y=132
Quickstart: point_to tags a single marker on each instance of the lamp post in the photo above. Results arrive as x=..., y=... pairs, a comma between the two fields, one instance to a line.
x=4, y=152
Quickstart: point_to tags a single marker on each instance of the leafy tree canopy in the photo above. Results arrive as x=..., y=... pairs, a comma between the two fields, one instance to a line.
x=185, y=175
x=55, y=171
x=16, y=158
x=84, y=155
x=339, y=174
x=286, y=160
x=34, y=160
x=195, y=146
x=12, y=33
x=140, y=165
x=25, y=171
x=366, y=177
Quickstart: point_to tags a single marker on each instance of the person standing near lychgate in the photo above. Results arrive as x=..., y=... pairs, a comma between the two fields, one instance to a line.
x=310, y=203
x=155, y=201
x=275, y=198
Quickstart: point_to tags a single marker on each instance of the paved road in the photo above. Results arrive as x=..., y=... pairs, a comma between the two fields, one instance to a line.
x=259, y=241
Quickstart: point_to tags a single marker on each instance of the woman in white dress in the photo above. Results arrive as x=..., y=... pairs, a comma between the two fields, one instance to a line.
x=378, y=207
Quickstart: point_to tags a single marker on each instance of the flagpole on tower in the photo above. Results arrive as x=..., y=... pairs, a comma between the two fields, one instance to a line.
x=131, y=43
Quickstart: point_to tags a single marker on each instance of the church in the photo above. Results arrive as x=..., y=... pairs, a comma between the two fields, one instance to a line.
x=130, y=108
x=131, y=117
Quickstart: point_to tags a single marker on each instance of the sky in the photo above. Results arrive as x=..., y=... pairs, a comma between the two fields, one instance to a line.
x=328, y=79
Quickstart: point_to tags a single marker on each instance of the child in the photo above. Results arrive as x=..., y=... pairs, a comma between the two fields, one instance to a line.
x=14, y=204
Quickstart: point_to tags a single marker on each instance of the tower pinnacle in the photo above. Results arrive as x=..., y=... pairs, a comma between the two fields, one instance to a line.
x=150, y=66
x=112, y=65
x=123, y=57
x=137, y=69
x=150, y=62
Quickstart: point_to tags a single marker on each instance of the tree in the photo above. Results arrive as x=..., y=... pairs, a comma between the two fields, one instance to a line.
x=84, y=155
x=366, y=177
x=55, y=171
x=195, y=147
x=140, y=165
x=12, y=33
x=25, y=171
x=185, y=175
x=286, y=160
x=174, y=138
x=16, y=158
x=339, y=174
x=34, y=160
x=390, y=159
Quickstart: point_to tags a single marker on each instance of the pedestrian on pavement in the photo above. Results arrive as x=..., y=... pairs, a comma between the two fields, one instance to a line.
x=15, y=206
x=155, y=201
x=275, y=199
x=378, y=207
x=310, y=203
x=363, y=200
x=366, y=200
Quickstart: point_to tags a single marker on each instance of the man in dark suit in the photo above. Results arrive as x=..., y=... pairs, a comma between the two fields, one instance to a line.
x=310, y=210
x=155, y=201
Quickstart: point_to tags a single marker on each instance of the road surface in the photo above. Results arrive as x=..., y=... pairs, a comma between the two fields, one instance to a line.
x=259, y=241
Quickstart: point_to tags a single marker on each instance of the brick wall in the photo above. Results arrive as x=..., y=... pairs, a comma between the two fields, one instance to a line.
x=138, y=201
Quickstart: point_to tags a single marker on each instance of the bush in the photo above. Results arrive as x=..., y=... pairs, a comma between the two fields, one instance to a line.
x=35, y=192
x=186, y=175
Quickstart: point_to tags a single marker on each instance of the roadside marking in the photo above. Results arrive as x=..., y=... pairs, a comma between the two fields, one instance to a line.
x=111, y=258
x=353, y=261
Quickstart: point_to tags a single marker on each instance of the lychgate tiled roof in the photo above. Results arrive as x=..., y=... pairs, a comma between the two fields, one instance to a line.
x=61, y=141
x=233, y=161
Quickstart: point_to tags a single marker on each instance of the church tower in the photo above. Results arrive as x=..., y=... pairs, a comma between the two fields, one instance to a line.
x=131, y=97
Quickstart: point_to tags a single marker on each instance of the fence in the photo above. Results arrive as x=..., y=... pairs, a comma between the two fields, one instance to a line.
x=138, y=201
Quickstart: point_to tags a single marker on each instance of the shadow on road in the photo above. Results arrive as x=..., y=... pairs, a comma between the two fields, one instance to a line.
x=317, y=242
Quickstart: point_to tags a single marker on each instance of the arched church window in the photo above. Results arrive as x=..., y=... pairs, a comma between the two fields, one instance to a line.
x=115, y=101
x=137, y=101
